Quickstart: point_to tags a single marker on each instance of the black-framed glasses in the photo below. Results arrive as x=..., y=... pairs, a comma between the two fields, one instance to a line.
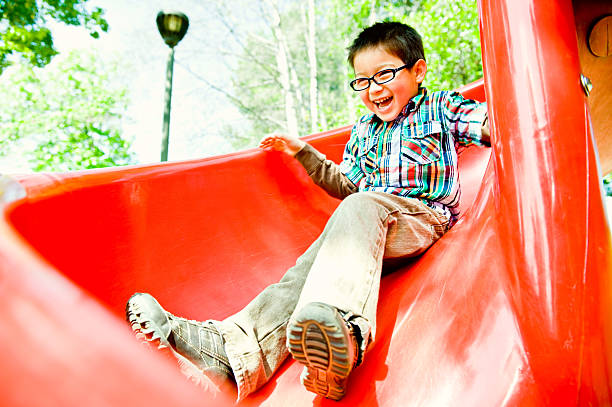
x=380, y=77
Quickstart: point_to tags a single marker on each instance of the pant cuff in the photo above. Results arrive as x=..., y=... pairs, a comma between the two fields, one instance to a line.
x=237, y=360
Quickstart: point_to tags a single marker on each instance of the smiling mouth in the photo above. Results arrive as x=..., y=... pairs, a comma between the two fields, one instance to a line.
x=383, y=103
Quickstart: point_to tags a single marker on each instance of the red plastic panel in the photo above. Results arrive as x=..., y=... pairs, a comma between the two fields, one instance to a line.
x=556, y=250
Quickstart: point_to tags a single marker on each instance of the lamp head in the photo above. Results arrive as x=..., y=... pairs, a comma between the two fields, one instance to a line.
x=172, y=26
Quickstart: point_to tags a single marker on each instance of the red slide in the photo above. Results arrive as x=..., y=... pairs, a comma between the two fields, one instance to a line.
x=512, y=307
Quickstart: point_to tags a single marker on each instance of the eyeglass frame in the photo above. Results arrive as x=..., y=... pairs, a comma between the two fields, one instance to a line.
x=371, y=78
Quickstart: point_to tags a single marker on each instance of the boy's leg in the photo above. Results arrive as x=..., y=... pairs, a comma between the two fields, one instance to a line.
x=251, y=343
x=255, y=337
x=366, y=228
x=363, y=230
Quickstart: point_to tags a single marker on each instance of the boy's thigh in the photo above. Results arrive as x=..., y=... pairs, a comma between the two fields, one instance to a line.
x=412, y=227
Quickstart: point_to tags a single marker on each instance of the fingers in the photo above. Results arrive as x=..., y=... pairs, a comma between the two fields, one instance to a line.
x=274, y=141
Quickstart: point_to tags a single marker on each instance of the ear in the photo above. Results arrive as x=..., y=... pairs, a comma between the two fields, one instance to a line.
x=420, y=69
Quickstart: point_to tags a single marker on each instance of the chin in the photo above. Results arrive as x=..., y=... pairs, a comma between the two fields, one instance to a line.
x=387, y=117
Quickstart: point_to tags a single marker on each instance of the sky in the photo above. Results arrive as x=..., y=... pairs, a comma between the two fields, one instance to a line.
x=198, y=112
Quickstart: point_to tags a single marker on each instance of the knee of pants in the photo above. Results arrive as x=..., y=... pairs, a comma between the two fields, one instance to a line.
x=362, y=204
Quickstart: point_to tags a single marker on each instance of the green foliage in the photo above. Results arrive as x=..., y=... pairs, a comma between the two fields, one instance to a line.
x=258, y=87
x=607, y=181
x=23, y=29
x=450, y=33
x=65, y=117
x=452, y=42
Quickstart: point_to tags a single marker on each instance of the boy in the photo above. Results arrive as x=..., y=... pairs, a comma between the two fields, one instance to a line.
x=400, y=189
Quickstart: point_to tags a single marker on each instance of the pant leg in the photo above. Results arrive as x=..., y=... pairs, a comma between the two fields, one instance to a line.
x=354, y=237
x=255, y=336
x=367, y=227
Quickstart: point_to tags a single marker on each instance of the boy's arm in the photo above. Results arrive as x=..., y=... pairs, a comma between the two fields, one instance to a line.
x=466, y=119
x=325, y=173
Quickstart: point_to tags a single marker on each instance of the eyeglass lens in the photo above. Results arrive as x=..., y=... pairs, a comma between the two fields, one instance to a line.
x=380, y=77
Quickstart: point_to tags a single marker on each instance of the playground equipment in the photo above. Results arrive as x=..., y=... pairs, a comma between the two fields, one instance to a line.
x=512, y=307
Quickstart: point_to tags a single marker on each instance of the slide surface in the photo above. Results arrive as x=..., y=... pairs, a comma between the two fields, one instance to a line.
x=511, y=307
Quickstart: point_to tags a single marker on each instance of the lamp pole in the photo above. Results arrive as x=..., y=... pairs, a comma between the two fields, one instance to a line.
x=172, y=26
x=167, y=103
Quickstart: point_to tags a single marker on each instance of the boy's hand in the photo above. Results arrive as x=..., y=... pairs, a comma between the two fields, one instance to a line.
x=282, y=142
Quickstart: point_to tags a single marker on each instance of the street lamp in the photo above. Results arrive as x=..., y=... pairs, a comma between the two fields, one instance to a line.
x=172, y=26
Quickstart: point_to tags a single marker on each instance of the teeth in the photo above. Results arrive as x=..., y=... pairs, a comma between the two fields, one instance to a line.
x=380, y=101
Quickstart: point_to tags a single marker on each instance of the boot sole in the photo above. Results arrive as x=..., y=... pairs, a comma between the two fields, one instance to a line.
x=320, y=340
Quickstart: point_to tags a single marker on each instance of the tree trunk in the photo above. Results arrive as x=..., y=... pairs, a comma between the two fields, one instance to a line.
x=372, y=19
x=282, y=62
x=312, y=60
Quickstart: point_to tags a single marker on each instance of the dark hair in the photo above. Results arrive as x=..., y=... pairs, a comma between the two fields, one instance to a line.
x=396, y=38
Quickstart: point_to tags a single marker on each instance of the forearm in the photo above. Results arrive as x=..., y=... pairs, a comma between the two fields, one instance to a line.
x=325, y=173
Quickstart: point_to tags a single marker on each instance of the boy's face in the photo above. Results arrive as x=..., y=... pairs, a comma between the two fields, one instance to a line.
x=387, y=100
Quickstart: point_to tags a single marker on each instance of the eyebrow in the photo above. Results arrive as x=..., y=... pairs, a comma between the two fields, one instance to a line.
x=378, y=69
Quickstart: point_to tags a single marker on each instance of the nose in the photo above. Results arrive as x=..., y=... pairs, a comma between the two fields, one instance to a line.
x=374, y=87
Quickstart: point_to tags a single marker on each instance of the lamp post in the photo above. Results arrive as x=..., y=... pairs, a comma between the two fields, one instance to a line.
x=172, y=26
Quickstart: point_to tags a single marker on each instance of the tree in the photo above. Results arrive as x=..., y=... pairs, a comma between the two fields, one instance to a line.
x=283, y=66
x=66, y=116
x=290, y=71
x=451, y=39
x=311, y=40
x=24, y=31
x=312, y=76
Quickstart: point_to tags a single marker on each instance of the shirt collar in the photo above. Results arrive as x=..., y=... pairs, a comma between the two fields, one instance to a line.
x=415, y=102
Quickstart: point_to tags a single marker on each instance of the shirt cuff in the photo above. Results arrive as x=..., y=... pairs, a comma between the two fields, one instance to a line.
x=476, y=118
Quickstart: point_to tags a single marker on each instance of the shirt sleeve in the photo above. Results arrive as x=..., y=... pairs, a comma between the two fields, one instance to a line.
x=325, y=173
x=350, y=159
x=463, y=118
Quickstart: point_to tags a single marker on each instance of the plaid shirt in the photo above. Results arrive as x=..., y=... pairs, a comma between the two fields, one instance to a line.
x=415, y=155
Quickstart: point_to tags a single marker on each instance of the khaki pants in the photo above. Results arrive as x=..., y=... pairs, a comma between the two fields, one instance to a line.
x=341, y=268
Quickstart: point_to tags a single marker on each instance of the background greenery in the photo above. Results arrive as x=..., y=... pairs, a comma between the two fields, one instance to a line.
x=24, y=30
x=452, y=45
x=286, y=71
x=607, y=180
x=63, y=117
x=68, y=116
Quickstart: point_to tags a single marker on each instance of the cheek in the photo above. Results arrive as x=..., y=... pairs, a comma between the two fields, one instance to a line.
x=405, y=93
x=365, y=98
